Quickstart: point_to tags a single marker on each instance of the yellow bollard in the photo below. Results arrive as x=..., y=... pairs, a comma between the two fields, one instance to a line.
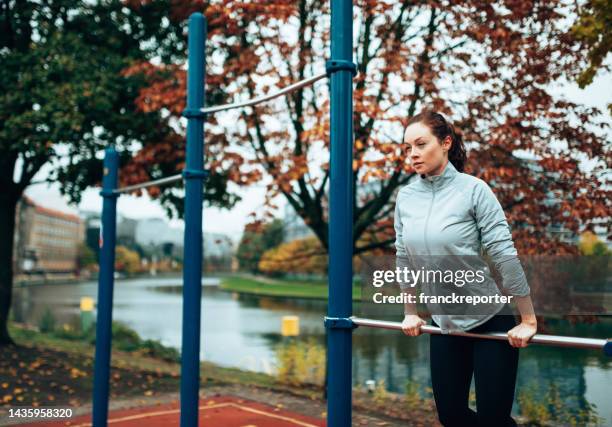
x=290, y=326
x=87, y=306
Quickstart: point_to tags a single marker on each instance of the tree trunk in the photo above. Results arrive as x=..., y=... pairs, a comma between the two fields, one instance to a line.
x=8, y=207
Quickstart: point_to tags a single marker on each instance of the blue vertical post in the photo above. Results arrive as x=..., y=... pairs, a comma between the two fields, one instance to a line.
x=339, y=333
x=192, y=270
x=105, y=289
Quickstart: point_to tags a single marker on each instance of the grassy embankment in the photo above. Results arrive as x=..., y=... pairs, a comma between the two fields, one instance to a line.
x=47, y=369
x=315, y=289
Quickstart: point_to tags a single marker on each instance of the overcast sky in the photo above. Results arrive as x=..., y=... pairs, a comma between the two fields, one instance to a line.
x=232, y=222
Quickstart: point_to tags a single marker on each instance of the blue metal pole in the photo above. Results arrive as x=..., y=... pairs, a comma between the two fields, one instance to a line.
x=339, y=333
x=105, y=289
x=192, y=270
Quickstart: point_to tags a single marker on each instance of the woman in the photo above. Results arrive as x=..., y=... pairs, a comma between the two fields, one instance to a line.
x=445, y=212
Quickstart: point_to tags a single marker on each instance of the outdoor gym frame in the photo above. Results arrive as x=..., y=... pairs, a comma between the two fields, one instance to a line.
x=339, y=322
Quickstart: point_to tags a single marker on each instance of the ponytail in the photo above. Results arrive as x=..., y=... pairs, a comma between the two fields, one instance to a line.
x=457, y=154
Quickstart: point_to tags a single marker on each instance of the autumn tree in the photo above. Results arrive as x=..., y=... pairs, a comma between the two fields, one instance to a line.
x=490, y=66
x=300, y=256
x=307, y=256
x=127, y=260
x=257, y=240
x=64, y=98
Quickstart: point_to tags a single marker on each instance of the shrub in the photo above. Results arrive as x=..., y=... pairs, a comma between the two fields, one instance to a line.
x=300, y=362
x=380, y=392
x=551, y=410
x=125, y=338
x=46, y=323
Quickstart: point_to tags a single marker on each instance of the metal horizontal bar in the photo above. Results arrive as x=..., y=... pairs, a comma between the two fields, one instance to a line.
x=161, y=181
x=248, y=103
x=555, y=340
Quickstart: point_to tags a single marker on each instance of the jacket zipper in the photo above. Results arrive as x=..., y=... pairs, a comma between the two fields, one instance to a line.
x=433, y=197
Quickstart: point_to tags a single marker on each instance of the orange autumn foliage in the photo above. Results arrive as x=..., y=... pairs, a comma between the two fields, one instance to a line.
x=490, y=67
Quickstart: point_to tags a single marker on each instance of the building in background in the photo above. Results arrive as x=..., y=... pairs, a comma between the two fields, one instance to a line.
x=126, y=231
x=93, y=223
x=157, y=239
x=218, y=252
x=46, y=240
x=156, y=232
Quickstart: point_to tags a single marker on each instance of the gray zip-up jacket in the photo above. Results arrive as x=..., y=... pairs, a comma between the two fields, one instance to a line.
x=457, y=216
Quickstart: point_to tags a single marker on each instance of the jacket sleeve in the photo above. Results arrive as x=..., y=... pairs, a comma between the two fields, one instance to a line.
x=496, y=239
x=401, y=255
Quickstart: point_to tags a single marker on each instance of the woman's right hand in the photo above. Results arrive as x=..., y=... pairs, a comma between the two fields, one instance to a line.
x=411, y=325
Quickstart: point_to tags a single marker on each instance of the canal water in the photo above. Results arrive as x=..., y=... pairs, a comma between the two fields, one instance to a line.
x=244, y=331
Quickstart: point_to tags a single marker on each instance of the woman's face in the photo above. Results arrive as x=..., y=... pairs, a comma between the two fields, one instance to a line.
x=424, y=151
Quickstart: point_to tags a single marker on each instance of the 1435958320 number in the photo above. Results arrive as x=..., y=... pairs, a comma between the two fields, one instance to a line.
x=29, y=412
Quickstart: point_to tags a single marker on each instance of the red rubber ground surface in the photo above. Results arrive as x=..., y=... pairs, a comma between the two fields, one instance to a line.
x=225, y=411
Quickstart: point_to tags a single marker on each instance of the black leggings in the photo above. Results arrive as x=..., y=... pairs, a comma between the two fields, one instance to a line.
x=494, y=364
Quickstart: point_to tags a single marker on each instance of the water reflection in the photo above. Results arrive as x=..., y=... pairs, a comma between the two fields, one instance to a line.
x=243, y=330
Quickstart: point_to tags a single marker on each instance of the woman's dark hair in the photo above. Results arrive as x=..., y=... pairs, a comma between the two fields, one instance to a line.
x=442, y=128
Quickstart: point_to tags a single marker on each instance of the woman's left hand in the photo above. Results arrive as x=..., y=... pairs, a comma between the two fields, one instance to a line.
x=520, y=335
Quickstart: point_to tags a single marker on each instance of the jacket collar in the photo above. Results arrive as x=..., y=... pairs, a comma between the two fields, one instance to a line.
x=439, y=181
